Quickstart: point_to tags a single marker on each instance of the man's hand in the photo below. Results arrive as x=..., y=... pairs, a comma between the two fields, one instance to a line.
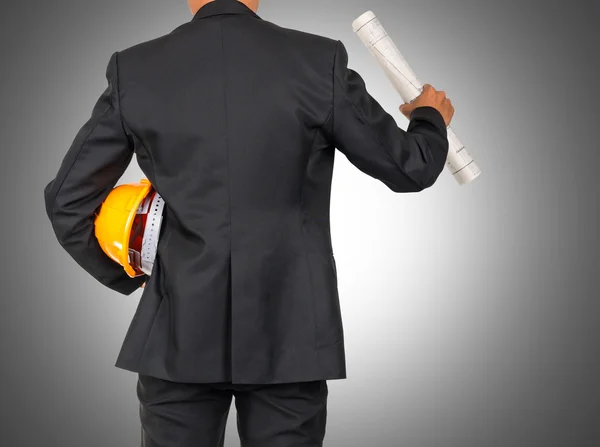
x=432, y=98
x=143, y=285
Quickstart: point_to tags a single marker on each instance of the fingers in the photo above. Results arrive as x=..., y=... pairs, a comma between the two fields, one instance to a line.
x=429, y=96
x=406, y=109
x=429, y=89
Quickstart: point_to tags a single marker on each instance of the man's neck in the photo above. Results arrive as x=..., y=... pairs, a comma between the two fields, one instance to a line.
x=195, y=5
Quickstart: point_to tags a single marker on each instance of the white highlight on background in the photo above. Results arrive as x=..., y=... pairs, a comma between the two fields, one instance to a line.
x=378, y=42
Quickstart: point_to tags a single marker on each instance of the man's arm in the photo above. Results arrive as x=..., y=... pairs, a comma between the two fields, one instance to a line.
x=89, y=171
x=406, y=161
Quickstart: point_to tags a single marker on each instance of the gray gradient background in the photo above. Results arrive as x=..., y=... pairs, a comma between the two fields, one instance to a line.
x=472, y=314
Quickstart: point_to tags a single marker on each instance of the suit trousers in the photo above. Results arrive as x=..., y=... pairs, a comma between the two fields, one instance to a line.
x=174, y=414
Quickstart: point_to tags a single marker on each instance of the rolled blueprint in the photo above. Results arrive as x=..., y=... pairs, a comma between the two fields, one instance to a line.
x=375, y=38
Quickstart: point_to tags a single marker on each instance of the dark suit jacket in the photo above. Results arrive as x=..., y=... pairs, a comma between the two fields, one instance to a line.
x=235, y=121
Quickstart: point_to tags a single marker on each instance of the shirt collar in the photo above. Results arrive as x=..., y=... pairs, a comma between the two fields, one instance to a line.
x=218, y=7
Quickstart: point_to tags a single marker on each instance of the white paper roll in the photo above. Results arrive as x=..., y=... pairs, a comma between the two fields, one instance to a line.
x=406, y=83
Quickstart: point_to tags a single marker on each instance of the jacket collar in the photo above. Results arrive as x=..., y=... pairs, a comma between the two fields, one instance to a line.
x=218, y=7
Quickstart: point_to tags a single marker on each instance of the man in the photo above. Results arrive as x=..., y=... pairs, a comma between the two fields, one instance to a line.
x=235, y=122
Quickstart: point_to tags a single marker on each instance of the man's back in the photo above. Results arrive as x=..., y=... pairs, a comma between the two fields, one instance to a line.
x=235, y=121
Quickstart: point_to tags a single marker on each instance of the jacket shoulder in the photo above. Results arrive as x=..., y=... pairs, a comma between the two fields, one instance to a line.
x=314, y=47
x=149, y=47
x=304, y=37
x=303, y=47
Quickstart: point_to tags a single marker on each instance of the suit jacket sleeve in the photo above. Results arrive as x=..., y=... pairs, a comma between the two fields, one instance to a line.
x=97, y=158
x=406, y=161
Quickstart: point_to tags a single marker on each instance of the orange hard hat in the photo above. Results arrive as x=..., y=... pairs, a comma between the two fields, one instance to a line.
x=128, y=224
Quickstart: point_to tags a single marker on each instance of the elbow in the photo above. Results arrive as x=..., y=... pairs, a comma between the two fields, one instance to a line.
x=50, y=203
x=49, y=199
x=404, y=183
x=430, y=177
x=430, y=166
x=62, y=225
x=404, y=186
x=61, y=232
x=60, y=218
